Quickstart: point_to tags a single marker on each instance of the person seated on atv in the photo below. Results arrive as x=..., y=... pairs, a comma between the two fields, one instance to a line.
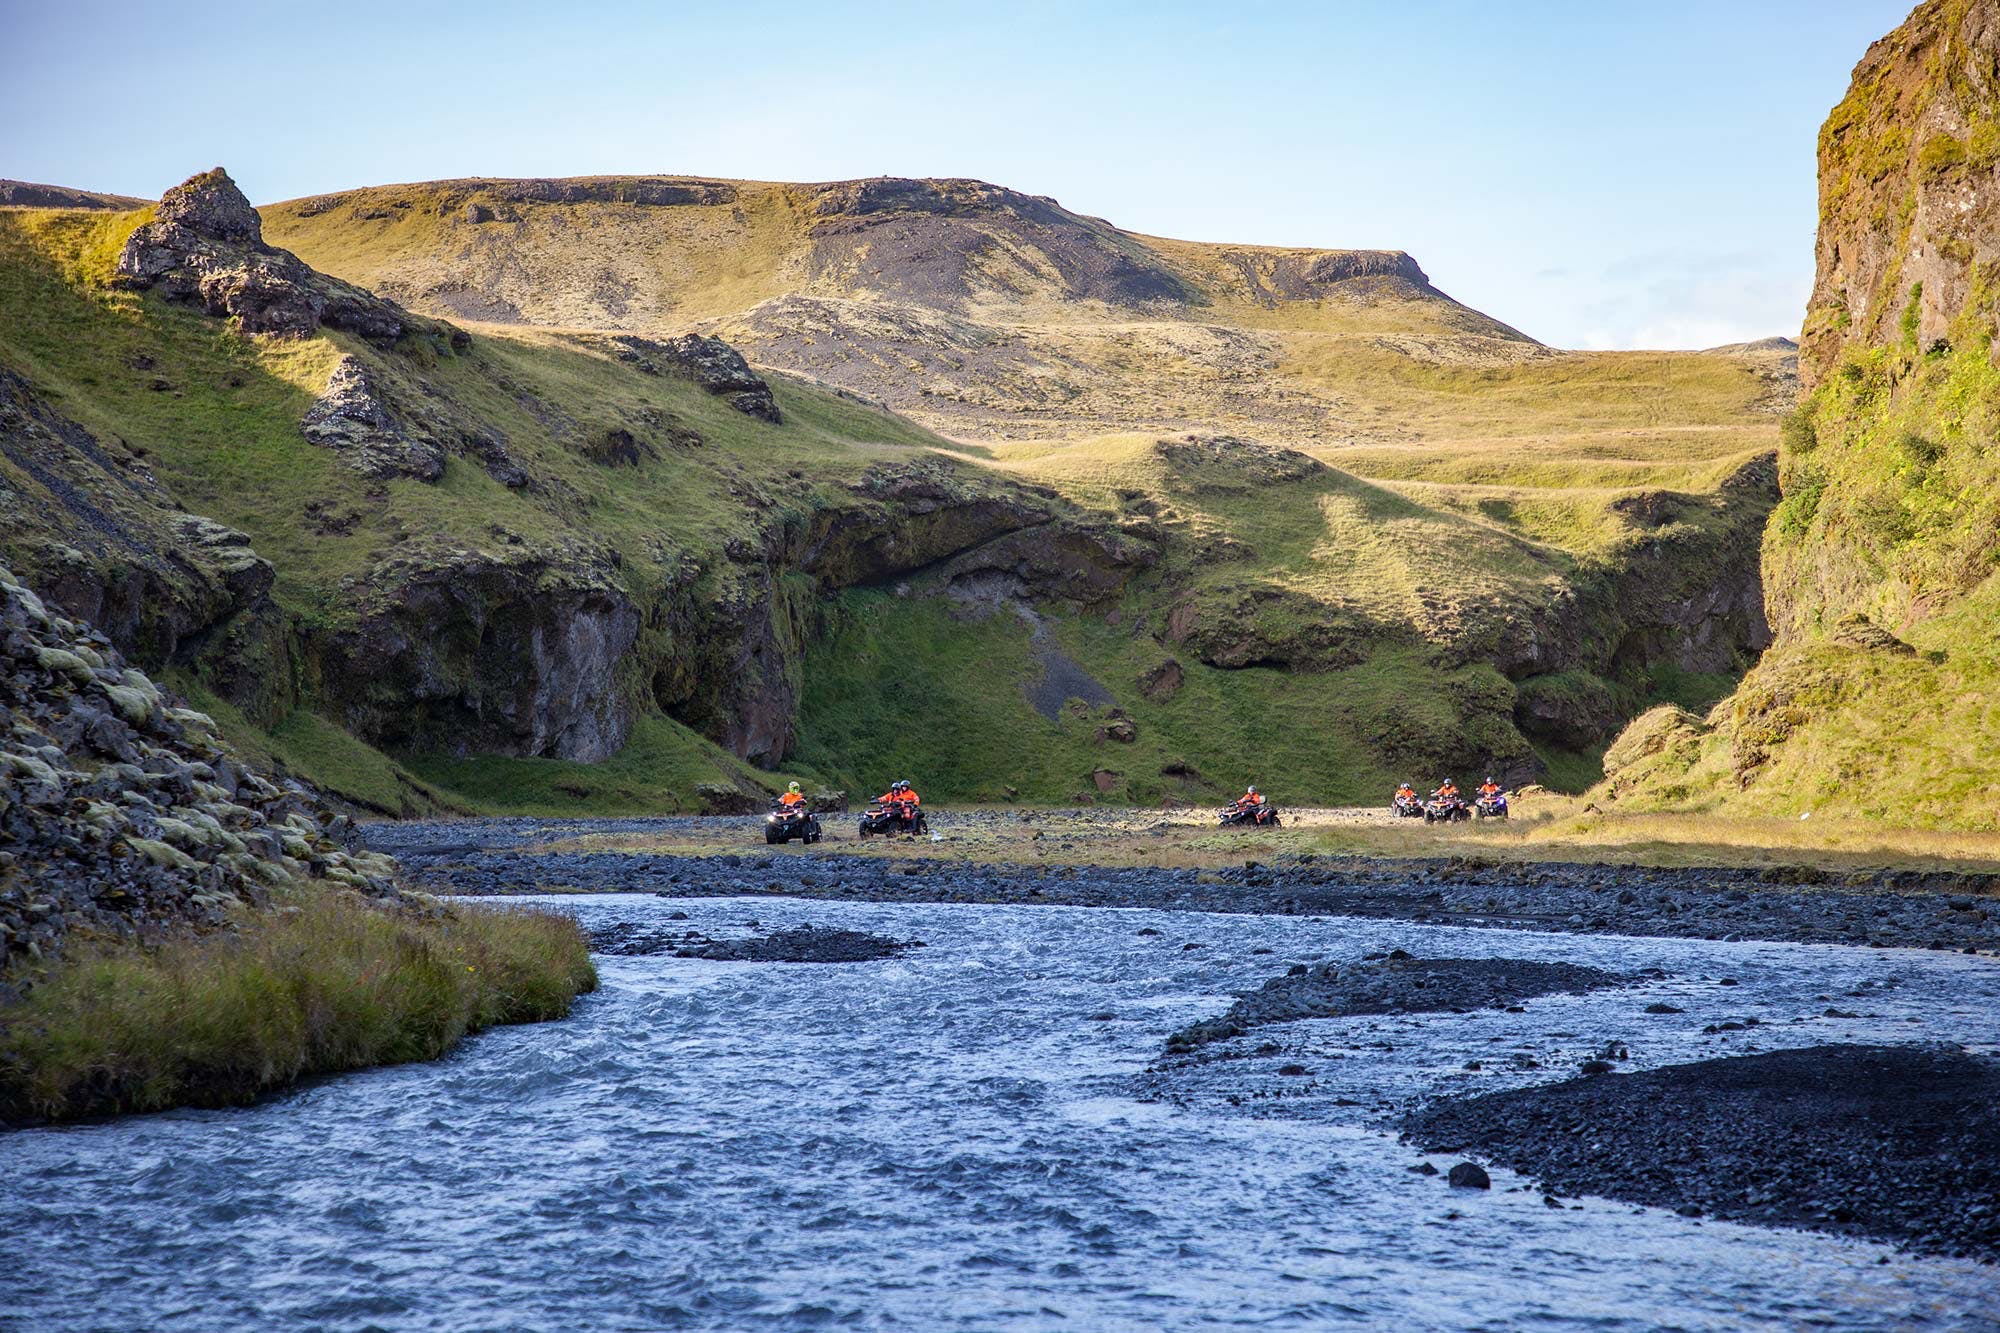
x=910, y=801
x=1489, y=789
x=1406, y=792
x=793, y=797
x=1447, y=792
x=892, y=799
x=1252, y=802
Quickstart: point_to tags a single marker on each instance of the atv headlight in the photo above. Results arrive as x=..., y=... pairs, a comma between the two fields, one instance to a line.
x=770, y=819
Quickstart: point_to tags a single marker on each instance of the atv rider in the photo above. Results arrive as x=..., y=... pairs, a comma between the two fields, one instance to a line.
x=909, y=800
x=1405, y=793
x=1489, y=788
x=793, y=798
x=1253, y=803
x=1447, y=792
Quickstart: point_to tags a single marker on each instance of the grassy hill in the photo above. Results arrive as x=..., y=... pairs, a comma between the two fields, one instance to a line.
x=597, y=584
x=987, y=314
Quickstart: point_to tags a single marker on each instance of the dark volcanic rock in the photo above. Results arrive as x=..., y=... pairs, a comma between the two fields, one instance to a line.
x=351, y=419
x=1396, y=985
x=713, y=364
x=1900, y=908
x=205, y=244
x=458, y=651
x=802, y=944
x=1469, y=1176
x=1900, y=1143
x=123, y=813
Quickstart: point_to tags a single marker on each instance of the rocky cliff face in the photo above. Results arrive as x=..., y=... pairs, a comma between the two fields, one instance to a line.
x=1880, y=561
x=89, y=523
x=1909, y=203
x=1887, y=511
x=122, y=813
x=485, y=641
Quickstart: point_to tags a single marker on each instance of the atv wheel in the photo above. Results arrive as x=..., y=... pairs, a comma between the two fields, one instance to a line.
x=772, y=836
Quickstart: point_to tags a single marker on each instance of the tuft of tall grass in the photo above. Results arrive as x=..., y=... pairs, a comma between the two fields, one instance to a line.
x=328, y=984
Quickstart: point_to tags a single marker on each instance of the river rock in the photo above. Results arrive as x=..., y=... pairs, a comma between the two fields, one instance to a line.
x=1469, y=1176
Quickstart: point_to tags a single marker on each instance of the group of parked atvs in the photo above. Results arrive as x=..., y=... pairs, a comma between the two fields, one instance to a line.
x=881, y=819
x=1446, y=806
x=891, y=816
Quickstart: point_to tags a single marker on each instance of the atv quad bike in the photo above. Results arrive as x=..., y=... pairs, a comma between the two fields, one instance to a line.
x=786, y=822
x=1256, y=816
x=1446, y=810
x=885, y=821
x=1407, y=807
x=1491, y=807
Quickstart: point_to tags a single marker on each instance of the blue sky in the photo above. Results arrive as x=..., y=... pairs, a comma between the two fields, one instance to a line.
x=1597, y=174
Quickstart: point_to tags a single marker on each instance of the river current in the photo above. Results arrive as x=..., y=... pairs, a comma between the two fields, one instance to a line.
x=965, y=1137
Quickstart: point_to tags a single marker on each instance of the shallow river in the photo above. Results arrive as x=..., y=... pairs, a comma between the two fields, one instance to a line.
x=957, y=1139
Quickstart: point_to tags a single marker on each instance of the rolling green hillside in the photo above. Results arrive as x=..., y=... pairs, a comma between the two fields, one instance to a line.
x=516, y=567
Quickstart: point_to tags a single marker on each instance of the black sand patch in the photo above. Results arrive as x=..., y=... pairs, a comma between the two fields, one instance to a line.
x=1896, y=1143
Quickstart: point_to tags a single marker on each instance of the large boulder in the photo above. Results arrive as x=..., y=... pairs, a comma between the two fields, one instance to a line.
x=206, y=245
x=351, y=419
x=710, y=362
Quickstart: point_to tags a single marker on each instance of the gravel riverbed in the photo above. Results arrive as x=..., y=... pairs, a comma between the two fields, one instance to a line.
x=1895, y=910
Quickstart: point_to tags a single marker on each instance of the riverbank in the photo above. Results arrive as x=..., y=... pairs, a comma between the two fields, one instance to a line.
x=1938, y=909
x=1896, y=1143
x=1545, y=828
x=324, y=984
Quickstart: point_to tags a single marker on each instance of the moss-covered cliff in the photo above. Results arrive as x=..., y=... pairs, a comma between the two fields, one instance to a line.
x=1882, y=693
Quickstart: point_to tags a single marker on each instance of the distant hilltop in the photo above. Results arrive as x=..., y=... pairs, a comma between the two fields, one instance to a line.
x=982, y=311
x=26, y=194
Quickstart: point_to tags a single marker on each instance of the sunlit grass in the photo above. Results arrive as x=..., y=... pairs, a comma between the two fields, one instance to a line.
x=321, y=985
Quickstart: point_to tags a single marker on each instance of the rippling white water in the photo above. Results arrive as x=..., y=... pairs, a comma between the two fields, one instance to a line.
x=948, y=1141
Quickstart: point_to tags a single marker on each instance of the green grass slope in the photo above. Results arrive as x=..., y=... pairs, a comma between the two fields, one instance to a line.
x=214, y=415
